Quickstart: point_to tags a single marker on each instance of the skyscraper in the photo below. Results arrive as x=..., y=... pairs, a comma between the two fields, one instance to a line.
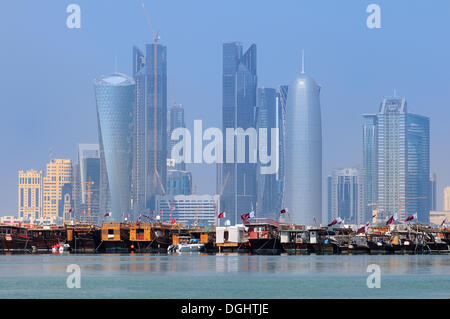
x=403, y=161
x=370, y=162
x=175, y=120
x=30, y=194
x=57, y=174
x=433, y=192
x=303, y=189
x=238, y=108
x=115, y=97
x=282, y=95
x=268, y=191
x=150, y=125
x=347, y=195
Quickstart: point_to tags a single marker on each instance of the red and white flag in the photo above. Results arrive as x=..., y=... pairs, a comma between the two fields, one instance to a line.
x=392, y=219
x=284, y=211
x=245, y=216
x=70, y=210
x=107, y=214
x=363, y=229
x=444, y=221
x=173, y=221
x=222, y=215
x=335, y=221
x=411, y=217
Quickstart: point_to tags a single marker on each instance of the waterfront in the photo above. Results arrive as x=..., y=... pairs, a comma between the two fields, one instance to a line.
x=224, y=276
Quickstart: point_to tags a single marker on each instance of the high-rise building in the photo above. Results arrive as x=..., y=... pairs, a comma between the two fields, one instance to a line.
x=58, y=173
x=303, y=158
x=281, y=125
x=115, y=97
x=433, y=192
x=175, y=120
x=370, y=162
x=268, y=205
x=238, y=180
x=418, y=193
x=89, y=180
x=401, y=142
x=346, y=195
x=447, y=198
x=150, y=126
x=30, y=194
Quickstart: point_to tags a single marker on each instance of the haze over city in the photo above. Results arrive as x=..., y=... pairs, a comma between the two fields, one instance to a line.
x=48, y=97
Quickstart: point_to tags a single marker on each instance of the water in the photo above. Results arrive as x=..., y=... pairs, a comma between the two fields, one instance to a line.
x=224, y=276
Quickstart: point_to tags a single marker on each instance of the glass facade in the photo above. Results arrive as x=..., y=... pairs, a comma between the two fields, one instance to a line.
x=179, y=182
x=268, y=192
x=238, y=111
x=176, y=120
x=303, y=156
x=150, y=125
x=370, y=162
x=115, y=97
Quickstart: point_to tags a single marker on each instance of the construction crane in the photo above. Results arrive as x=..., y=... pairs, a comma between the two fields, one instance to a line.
x=156, y=38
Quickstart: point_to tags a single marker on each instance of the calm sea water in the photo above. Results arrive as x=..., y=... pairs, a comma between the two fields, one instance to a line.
x=224, y=276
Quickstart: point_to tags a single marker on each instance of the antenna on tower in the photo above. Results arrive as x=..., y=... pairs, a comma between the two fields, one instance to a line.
x=303, y=61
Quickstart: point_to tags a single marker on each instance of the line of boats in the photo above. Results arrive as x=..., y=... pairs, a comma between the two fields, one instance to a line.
x=258, y=236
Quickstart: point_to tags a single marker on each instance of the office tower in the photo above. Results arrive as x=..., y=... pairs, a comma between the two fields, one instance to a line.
x=281, y=125
x=418, y=178
x=447, y=198
x=238, y=180
x=57, y=174
x=266, y=118
x=303, y=189
x=150, y=126
x=433, y=192
x=29, y=194
x=403, y=157
x=179, y=182
x=89, y=179
x=370, y=162
x=347, y=196
x=76, y=192
x=175, y=120
x=115, y=97
x=66, y=203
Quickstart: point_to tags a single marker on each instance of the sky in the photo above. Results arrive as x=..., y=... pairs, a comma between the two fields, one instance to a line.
x=47, y=97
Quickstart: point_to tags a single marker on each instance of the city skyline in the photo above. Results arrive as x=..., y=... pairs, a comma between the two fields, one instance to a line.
x=336, y=161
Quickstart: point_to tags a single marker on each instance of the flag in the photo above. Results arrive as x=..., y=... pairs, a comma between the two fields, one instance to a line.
x=83, y=212
x=284, y=211
x=444, y=221
x=139, y=219
x=392, y=219
x=173, y=221
x=107, y=214
x=411, y=217
x=222, y=215
x=363, y=229
x=245, y=216
x=335, y=221
x=251, y=214
x=70, y=210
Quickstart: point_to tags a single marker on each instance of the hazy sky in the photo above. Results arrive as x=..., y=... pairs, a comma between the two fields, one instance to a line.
x=46, y=91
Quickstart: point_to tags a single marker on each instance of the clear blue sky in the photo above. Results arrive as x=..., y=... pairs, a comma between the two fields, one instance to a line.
x=46, y=92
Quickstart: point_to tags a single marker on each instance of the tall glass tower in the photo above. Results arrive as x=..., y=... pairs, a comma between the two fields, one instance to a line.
x=304, y=151
x=150, y=125
x=238, y=111
x=115, y=97
x=175, y=120
x=370, y=163
x=267, y=183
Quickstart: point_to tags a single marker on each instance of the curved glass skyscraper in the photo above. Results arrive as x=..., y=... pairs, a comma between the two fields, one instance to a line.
x=303, y=156
x=115, y=97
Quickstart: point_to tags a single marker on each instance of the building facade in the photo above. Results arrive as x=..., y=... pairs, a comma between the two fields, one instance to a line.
x=175, y=120
x=58, y=173
x=346, y=196
x=370, y=162
x=30, y=185
x=189, y=209
x=239, y=84
x=115, y=97
x=150, y=126
x=447, y=198
x=303, y=158
x=179, y=182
